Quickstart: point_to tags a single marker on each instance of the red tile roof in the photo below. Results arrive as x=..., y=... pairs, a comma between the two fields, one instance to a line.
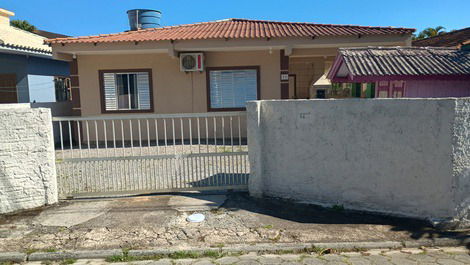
x=450, y=39
x=235, y=28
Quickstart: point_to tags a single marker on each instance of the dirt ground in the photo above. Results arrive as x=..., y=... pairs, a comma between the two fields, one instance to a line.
x=160, y=221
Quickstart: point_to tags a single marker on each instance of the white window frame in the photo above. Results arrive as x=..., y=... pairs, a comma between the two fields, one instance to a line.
x=110, y=93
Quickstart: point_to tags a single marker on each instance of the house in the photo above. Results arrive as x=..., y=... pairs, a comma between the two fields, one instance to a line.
x=28, y=73
x=456, y=39
x=234, y=60
x=394, y=72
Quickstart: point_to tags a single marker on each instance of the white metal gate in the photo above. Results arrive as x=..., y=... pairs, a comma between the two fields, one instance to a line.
x=135, y=154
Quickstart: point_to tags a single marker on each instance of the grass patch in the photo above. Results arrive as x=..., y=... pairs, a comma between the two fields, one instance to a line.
x=184, y=255
x=338, y=207
x=195, y=255
x=217, y=211
x=309, y=250
x=33, y=250
x=125, y=257
x=67, y=261
x=6, y=263
x=321, y=251
x=268, y=227
x=286, y=252
x=219, y=245
x=213, y=254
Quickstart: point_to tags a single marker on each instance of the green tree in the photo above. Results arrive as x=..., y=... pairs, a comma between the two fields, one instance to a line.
x=430, y=32
x=22, y=24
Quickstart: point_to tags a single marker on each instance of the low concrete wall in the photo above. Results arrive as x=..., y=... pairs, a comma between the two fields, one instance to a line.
x=27, y=159
x=57, y=108
x=406, y=157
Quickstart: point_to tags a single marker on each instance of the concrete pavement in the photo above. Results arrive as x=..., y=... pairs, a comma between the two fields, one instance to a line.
x=148, y=222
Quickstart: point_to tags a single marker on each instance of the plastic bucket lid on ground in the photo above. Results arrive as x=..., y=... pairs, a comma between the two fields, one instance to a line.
x=196, y=218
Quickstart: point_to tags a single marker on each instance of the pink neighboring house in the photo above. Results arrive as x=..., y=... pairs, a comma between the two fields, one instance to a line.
x=414, y=72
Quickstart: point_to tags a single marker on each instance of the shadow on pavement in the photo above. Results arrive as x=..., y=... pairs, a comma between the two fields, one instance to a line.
x=314, y=214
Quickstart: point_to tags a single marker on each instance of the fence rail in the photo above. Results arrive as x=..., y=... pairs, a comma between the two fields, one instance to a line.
x=152, y=152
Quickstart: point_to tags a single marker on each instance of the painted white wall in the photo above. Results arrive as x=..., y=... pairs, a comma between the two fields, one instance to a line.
x=27, y=158
x=407, y=157
x=41, y=88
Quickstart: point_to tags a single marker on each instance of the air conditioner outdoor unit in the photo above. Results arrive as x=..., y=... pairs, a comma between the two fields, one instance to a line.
x=192, y=62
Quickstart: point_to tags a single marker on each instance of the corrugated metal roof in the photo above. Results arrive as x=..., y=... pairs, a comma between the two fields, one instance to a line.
x=400, y=61
x=236, y=28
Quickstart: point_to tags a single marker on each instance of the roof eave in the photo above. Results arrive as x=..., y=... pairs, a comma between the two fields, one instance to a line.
x=376, y=78
x=23, y=51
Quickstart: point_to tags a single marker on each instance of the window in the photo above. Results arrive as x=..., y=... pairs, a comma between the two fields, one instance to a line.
x=126, y=90
x=355, y=90
x=41, y=88
x=231, y=88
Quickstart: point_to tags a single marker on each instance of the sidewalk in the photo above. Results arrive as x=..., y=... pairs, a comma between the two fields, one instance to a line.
x=146, y=222
x=444, y=256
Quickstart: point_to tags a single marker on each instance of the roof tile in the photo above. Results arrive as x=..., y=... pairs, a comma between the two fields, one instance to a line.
x=449, y=39
x=235, y=28
x=413, y=61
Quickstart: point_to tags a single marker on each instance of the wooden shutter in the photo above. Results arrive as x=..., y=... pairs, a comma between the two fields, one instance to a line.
x=110, y=91
x=143, y=88
x=8, y=93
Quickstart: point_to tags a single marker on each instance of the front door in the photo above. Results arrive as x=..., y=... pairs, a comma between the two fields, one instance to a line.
x=8, y=88
x=398, y=89
x=292, y=86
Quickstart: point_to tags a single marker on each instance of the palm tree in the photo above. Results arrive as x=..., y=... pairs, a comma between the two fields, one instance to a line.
x=430, y=32
x=23, y=24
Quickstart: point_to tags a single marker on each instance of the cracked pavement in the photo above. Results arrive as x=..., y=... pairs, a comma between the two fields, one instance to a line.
x=143, y=222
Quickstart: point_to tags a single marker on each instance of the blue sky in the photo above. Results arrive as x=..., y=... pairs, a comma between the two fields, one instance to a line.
x=88, y=17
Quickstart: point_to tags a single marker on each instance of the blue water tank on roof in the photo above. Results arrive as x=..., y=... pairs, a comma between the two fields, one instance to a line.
x=144, y=18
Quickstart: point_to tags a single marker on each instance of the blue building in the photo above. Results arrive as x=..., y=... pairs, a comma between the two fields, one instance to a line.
x=28, y=73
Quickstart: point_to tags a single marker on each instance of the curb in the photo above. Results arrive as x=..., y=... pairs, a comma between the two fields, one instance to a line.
x=262, y=247
x=12, y=256
x=83, y=254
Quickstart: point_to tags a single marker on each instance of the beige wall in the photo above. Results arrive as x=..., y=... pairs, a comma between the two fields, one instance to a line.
x=174, y=91
x=178, y=92
x=15, y=36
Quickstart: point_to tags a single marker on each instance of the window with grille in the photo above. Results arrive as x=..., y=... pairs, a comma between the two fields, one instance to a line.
x=126, y=90
x=232, y=88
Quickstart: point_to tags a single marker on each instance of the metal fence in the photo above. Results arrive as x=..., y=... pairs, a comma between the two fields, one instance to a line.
x=127, y=154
